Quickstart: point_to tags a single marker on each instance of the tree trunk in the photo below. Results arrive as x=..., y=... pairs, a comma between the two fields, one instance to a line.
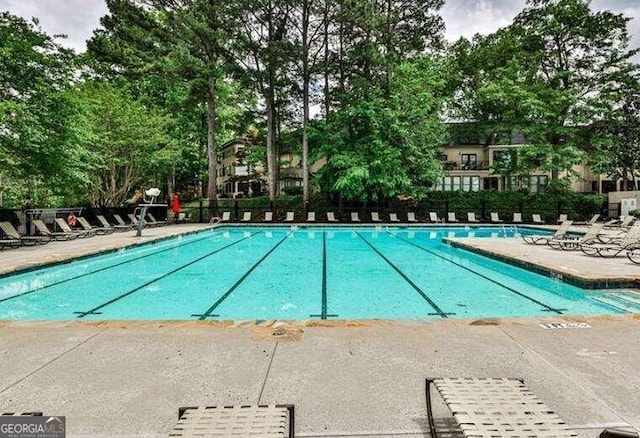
x=212, y=189
x=327, y=95
x=305, y=102
x=271, y=146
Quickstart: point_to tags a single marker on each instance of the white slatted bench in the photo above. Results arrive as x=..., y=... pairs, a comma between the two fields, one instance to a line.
x=268, y=421
x=496, y=407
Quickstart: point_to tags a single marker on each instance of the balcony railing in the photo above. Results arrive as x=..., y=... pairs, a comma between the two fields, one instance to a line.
x=455, y=165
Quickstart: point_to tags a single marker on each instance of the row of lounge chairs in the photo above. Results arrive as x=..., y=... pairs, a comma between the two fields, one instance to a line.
x=247, y=216
x=13, y=239
x=595, y=242
x=480, y=407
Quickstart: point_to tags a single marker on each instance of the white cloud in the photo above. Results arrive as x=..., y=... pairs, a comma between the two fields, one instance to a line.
x=465, y=18
x=75, y=18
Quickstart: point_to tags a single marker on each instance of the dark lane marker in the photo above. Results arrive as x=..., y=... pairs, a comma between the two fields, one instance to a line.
x=103, y=269
x=546, y=308
x=208, y=314
x=439, y=311
x=93, y=311
x=323, y=311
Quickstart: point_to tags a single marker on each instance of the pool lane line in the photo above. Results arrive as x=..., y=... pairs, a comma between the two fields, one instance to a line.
x=126, y=294
x=439, y=311
x=102, y=269
x=510, y=289
x=323, y=311
x=208, y=314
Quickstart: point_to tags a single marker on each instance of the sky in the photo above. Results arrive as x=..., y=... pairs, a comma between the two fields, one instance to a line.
x=78, y=18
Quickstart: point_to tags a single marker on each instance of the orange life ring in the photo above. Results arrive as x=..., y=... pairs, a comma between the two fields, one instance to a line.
x=72, y=220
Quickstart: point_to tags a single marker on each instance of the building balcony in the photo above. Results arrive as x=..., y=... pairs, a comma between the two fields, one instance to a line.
x=455, y=165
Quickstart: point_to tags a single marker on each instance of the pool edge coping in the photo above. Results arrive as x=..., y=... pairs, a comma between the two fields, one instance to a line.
x=589, y=283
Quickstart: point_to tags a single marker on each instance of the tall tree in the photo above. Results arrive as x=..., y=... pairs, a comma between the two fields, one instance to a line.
x=549, y=72
x=37, y=136
x=186, y=39
x=264, y=54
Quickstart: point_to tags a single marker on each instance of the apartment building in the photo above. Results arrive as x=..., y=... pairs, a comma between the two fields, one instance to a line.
x=470, y=158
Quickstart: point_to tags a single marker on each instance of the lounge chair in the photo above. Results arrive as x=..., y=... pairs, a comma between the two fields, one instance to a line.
x=121, y=222
x=311, y=216
x=355, y=217
x=495, y=407
x=624, y=222
x=517, y=218
x=375, y=216
x=471, y=217
x=562, y=218
x=43, y=230
x=67, y=229
x=105, y=223
x=591, y=221
x=153, y=221
x=84, y=223
x=5, y=242
x=12, y=235
x=433, y=217
x=290, y=216
x=411, y=217
x=246, y=217
x=560, y=233
x=629, y=242
x=393, y=217
x=268, y=216
x=451, y=217
x=226, y=216
x=331, y=217
x=495, y=218
x=536, y=219
x=135, y=221
x=572, y=244
x=226, y=421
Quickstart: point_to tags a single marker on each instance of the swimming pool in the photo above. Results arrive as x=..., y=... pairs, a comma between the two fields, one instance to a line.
x=299, y=273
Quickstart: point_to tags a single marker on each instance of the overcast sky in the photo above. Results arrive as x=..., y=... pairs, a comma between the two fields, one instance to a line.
x=78, y=18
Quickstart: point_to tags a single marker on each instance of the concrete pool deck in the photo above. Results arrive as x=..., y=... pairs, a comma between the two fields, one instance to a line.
x=121, y=380
x=346, y=379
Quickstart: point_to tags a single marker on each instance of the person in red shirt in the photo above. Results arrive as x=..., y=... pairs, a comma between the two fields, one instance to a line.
x=175, y=206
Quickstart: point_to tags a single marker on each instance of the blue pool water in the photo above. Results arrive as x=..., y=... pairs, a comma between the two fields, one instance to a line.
x=304, y=273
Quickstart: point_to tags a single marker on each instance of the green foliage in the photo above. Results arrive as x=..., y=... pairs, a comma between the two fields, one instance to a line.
x=292, y=190
x=380, y=146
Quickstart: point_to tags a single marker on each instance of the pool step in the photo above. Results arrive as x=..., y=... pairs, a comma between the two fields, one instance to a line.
x=620, y=300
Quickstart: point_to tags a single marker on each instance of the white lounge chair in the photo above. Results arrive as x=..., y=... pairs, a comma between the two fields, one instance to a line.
x=331, y=217
x=355, y=217
x=393, y=217
x=375, y=217
x=226, y=216
x=13, y=235
x=562, y=218
x=290, y=217
x=536, y=219
x=433, y=217
x=495, y=218
x=411, y=217
x=517, y=218
x=267, y=421
x=451, y=217
x=311, y=216
x=246, y=217
x=495, y=407
x=268, y=216
x=560, y=233
x=471, y=217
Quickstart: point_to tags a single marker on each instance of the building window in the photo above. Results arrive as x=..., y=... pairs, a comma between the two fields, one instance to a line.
x=535, y=183
x=469, y=162
x=464, y=183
